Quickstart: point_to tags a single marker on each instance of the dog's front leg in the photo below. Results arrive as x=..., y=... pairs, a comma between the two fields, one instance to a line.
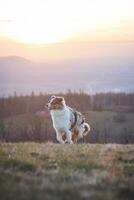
x=59, y=137
x=69, y=136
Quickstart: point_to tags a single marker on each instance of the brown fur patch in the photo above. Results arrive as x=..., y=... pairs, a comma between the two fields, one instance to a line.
x=64, y=136
x=75, y=135
x=56, y=107
x=57, y=103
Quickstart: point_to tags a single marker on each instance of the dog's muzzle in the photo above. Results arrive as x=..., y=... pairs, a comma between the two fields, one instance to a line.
x=47, y=106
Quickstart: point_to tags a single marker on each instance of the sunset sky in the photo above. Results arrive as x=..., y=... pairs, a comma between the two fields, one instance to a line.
x=51, y=28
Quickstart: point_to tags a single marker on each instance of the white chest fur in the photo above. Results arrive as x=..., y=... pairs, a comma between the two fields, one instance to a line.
x=61, y=118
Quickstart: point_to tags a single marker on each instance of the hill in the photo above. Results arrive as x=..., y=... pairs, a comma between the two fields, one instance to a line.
x=91, y=75
x=32, y=171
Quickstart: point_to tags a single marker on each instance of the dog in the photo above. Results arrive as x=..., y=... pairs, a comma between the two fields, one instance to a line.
x=68, y=123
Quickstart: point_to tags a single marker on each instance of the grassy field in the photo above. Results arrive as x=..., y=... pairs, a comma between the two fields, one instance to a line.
x=33, y=171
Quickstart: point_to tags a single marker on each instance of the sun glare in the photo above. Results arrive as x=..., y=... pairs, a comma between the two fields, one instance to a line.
x=50, y=22
x=44, y=21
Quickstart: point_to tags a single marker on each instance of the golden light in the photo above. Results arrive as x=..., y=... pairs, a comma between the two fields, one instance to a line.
x=50, y=21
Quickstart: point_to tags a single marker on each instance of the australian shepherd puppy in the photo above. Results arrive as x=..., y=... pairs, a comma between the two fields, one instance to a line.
x=68, y=123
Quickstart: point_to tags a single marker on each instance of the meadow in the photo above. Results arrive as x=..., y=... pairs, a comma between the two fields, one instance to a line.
x=33, y=171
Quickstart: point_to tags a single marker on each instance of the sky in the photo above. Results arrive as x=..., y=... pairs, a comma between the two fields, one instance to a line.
x=53, y=29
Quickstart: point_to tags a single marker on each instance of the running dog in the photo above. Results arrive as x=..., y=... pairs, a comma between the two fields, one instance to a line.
x=68, y=123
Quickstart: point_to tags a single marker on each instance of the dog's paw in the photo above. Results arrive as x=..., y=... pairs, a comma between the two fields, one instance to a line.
x=67, y=142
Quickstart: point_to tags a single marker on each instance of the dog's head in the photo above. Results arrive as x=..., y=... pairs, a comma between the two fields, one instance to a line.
x=56, y=103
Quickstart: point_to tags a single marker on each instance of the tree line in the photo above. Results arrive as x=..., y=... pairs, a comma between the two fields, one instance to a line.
x=15, y=104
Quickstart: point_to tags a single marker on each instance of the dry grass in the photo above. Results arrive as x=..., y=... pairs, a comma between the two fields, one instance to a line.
x=31, y=171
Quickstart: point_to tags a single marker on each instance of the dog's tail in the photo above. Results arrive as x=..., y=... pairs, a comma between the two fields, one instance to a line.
x=87, y=129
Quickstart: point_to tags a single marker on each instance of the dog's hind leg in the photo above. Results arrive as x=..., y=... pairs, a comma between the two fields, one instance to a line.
x=75, y=139
x=75, y=136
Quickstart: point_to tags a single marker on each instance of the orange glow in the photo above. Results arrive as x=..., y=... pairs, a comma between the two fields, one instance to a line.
x=52, y=21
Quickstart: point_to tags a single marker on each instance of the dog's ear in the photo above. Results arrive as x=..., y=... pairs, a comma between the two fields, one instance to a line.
x=52, y=97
